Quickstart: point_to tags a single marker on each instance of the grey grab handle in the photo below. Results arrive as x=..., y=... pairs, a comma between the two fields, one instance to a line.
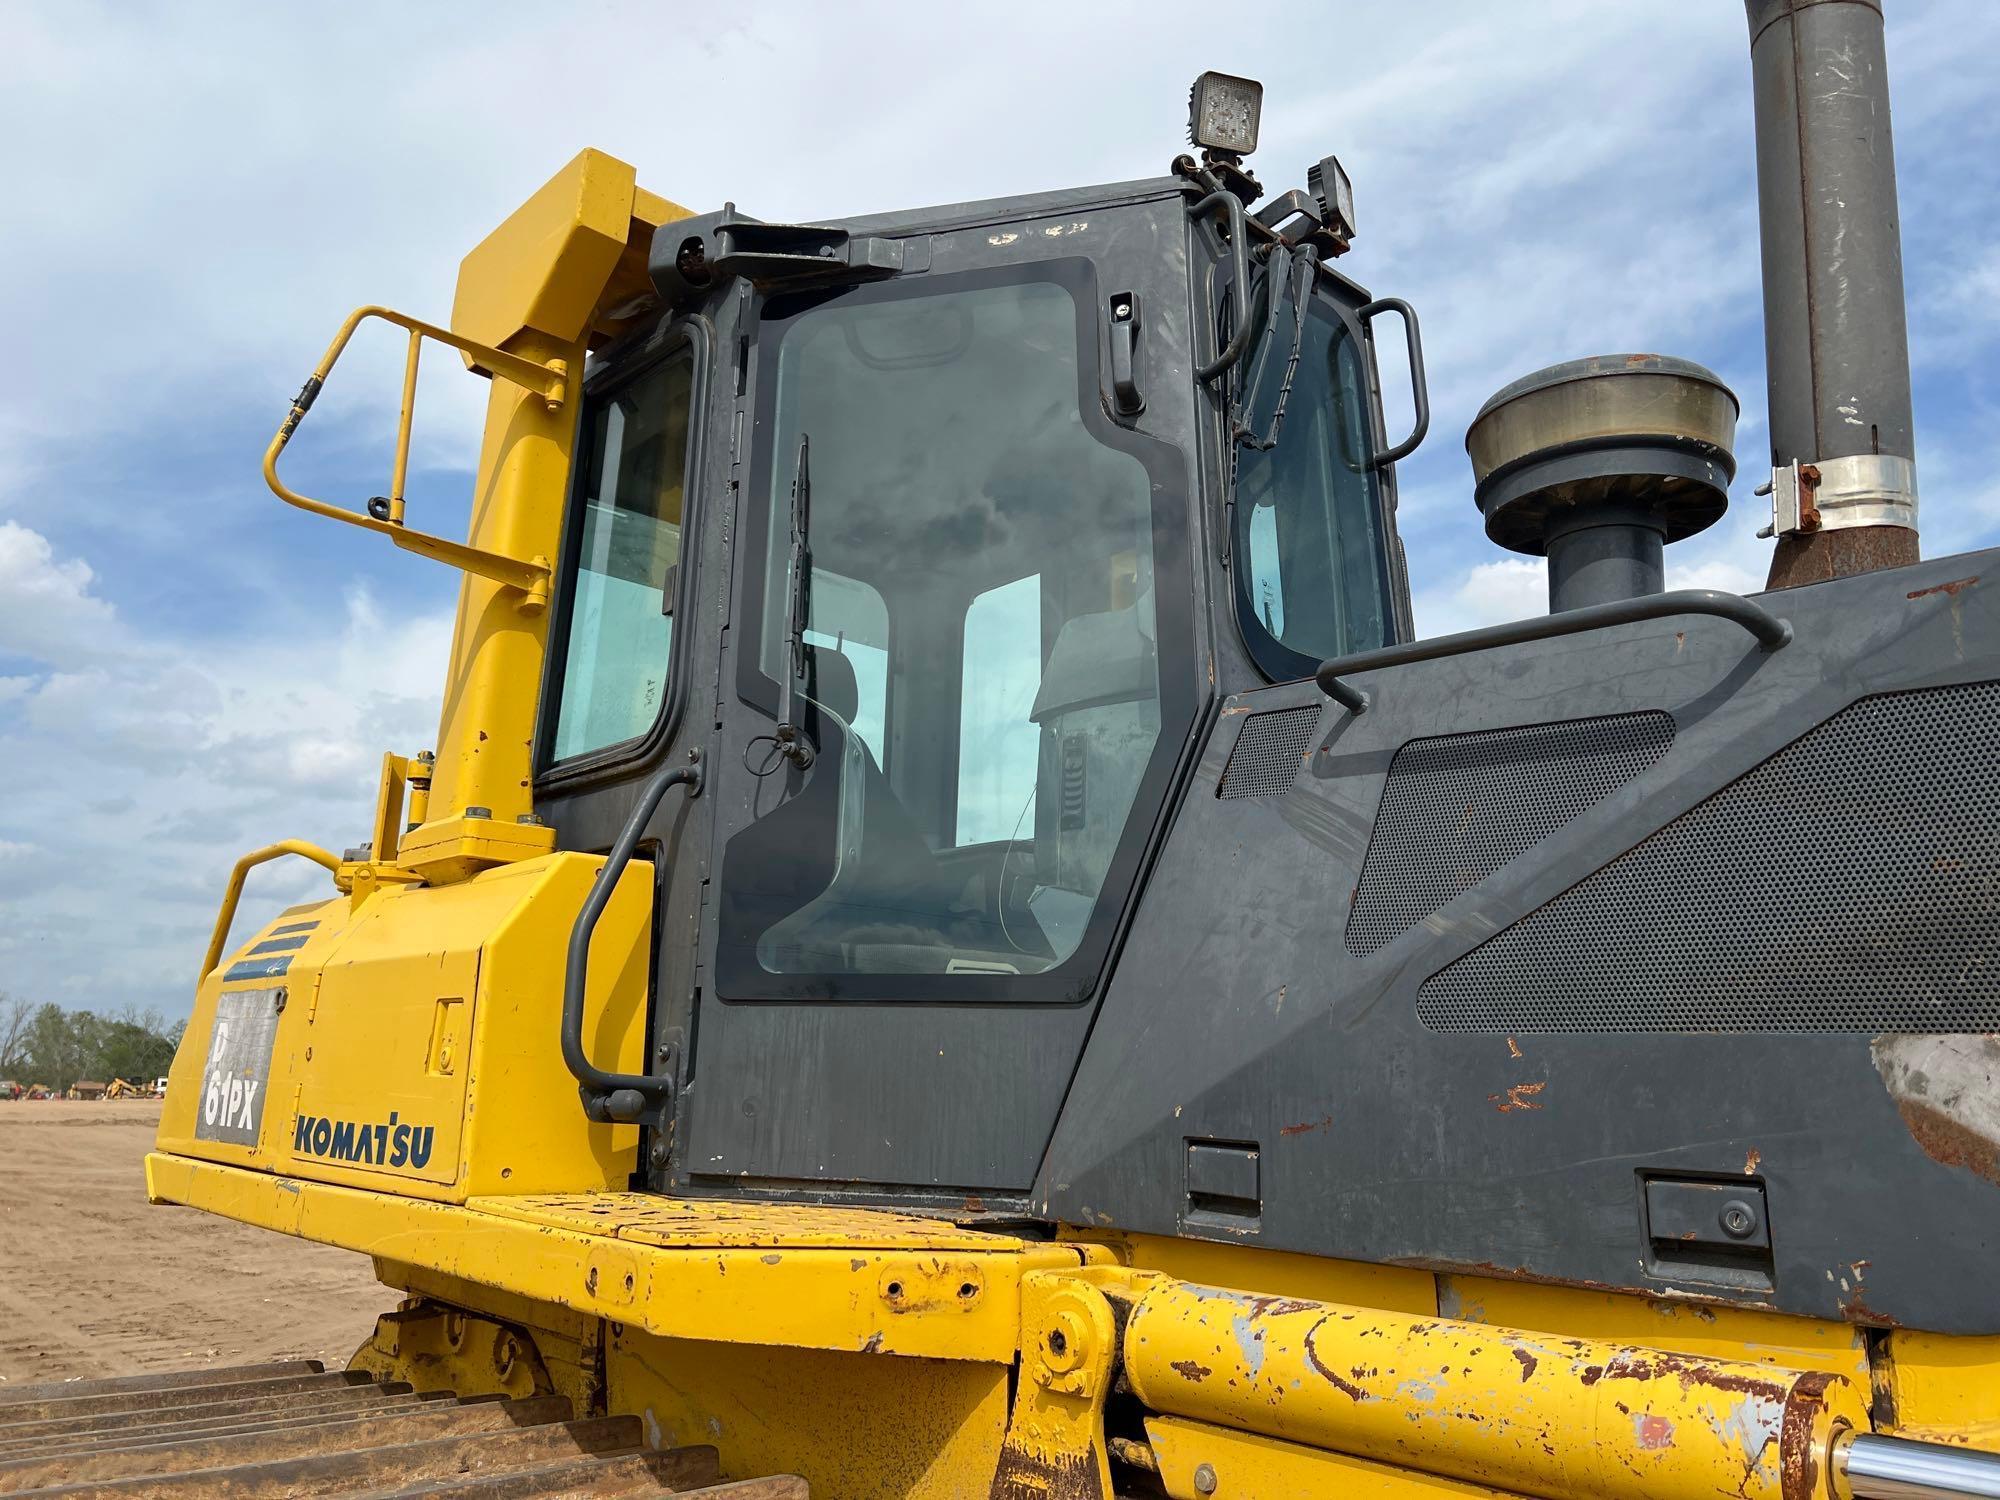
x=1413, y=340
x=1239, y=260
x=1770, y=631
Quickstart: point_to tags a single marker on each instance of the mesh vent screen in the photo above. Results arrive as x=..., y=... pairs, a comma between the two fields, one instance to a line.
x=1456, y=809
x=1849, y=883
x=1267, y=752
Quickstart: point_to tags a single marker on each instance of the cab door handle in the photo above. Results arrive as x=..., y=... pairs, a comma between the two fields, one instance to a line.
x=1126, y=397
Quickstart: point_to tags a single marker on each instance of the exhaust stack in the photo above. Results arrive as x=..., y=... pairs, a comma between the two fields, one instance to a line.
x=1844, y=493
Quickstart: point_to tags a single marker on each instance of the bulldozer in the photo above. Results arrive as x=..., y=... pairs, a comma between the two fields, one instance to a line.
x=953, y=941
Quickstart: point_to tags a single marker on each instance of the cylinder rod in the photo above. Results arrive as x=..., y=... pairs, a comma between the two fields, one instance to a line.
x=1836, y=344
x=1888, y=1468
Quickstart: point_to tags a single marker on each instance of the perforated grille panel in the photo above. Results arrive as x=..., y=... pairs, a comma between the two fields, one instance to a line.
x=1849, y=883
x=1267, y=752
x=1456, y=809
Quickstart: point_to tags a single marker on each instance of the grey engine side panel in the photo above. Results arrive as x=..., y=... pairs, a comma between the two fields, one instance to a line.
x=1241, y=1013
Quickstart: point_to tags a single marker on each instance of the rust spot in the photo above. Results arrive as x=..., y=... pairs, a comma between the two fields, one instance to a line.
x=1513, y=1050
x=1260, y=1306
x=857, y=1263
x=874, y=1344
x=1752, y=1161
x=1654, y=1432
x=1300, y=1129
x=974, y=1204
x=1797, y=1471
x=1691, y=1372
x=1518, y=1096
x=1949, y=1143
x=1188, y=1369
x=1346, y=1388
x=1950, y=590
x=1854, y=1307
x=1527, y=1364
x=772, y=1259
x=1058, y=1476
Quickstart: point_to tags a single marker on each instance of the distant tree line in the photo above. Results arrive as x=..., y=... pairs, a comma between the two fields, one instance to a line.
x=47, y=1044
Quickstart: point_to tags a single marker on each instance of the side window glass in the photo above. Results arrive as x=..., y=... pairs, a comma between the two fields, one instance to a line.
x=1308, y=507
x=634, y=452
x=998, y=740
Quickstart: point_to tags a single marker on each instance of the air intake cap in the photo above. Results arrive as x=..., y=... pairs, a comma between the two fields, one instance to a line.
x=1644, y=436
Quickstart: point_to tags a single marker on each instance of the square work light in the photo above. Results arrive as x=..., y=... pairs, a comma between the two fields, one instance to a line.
x=1223, y=112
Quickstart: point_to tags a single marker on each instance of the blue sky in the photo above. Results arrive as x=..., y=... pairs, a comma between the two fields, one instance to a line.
x=198, y=194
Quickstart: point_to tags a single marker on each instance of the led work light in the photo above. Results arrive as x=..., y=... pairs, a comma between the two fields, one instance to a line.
x=1223, y=113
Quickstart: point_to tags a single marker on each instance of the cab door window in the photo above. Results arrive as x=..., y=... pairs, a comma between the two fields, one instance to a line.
x=985, y=688
x=626, y=554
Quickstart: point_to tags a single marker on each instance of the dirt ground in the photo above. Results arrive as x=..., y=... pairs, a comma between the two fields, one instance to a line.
x=94, y=1281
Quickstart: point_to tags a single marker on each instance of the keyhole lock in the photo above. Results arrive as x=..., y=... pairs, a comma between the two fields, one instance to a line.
x=1738, y=1219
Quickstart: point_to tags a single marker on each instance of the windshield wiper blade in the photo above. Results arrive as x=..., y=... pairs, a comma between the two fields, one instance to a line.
x=791, y=742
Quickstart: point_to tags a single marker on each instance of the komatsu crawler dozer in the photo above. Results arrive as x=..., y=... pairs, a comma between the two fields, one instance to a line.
x=954, y=943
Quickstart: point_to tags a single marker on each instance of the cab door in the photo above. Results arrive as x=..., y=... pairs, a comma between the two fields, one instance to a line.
x=995, y=676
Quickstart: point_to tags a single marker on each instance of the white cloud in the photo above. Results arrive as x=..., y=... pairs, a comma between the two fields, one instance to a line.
x=46, y=606
x=154, y=764
x=1508, y=588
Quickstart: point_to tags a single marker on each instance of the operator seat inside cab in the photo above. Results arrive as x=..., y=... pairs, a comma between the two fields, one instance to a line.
x=890, y=905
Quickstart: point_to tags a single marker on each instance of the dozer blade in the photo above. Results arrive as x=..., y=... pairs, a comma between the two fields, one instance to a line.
x=298, y=1430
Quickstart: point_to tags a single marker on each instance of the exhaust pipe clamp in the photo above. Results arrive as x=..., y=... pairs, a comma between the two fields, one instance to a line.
x=1868, y=489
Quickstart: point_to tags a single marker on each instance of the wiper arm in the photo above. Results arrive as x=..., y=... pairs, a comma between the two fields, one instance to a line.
x=1302, y=260
x=798, y=601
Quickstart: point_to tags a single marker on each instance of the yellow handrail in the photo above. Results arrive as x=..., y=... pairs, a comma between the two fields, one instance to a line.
x=244, y=866
x=550, y=381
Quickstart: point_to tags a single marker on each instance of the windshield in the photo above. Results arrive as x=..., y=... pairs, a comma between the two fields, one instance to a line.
x=984, y=680
x=1311, y=561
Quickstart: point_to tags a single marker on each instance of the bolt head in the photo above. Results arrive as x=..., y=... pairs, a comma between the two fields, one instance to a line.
x=1204, y=1479
x=1064, y=1345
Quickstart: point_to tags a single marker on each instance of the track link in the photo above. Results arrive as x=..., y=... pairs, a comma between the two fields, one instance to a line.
x=297, y=1429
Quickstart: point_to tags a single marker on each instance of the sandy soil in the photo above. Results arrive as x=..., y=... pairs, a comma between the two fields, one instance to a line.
x=95, y=1281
